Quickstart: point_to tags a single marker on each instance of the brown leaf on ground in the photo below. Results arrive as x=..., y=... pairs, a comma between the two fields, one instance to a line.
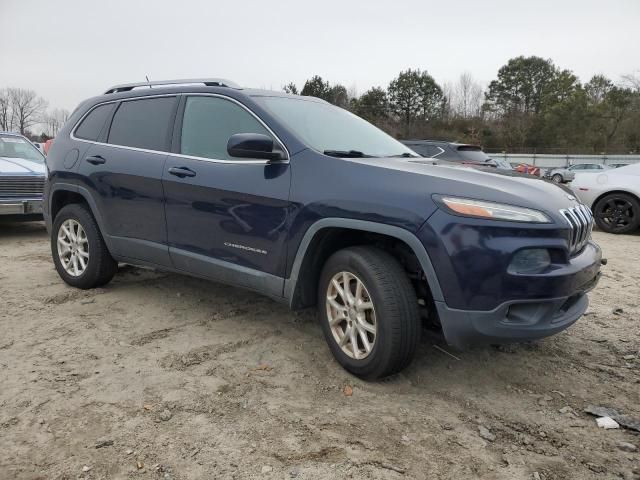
x=263, y=367
x=347, y=390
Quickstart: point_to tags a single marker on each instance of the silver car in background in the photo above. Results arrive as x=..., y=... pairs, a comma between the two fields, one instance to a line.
x=22, y=175
x=559, y=175
x=568, y=174
x=613, y=196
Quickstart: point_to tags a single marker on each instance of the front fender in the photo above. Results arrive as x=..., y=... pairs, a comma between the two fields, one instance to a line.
x=365, y=226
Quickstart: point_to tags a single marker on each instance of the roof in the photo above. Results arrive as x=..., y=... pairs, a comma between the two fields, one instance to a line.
x=171, y=87
x=182, y=85
x=209, y=82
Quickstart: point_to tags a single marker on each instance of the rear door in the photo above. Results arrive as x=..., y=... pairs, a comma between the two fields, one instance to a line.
x=123, y=173
x=226, y=217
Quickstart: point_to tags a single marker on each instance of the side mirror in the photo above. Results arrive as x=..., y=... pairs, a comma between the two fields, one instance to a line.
x=253, y=145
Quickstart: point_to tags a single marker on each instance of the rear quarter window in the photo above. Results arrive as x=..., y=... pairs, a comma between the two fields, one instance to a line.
x=92, y=125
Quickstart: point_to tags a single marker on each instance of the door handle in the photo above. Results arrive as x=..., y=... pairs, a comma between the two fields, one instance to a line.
x=96, y=160
x=182, y=172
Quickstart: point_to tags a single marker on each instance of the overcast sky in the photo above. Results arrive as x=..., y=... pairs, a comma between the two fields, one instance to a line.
x=68, y=50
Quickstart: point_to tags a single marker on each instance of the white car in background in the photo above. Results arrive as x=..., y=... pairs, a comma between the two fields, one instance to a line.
x=613, y=196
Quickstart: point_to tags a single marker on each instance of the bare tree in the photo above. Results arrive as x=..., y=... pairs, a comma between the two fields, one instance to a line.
x=6, y=120
x=467, y=97
x=352, y=91
x=54, y=121
x=632, y=81
x=447, y=94
x=27, y=108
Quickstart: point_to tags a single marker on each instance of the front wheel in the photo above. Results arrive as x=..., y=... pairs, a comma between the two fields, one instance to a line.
x=368, y=311
x=617, y=213
x=557, y=178
x=79, y=252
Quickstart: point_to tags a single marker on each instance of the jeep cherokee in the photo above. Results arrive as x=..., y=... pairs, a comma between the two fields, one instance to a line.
x=309, y=204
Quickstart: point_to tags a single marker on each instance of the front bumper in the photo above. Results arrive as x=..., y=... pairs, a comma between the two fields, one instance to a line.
x=21, y=207
x=516, y=320
x=482, y=301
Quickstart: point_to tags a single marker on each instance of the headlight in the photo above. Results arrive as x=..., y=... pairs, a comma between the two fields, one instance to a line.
x=495, y=211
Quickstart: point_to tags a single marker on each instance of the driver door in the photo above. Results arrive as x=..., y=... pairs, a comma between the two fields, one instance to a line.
x=226, y=217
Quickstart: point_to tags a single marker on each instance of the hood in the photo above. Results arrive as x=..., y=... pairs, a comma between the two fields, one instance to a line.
x=491, y=184
x=20, y=166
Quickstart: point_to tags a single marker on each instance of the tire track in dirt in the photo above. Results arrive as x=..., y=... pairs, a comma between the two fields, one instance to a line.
x=199, y=355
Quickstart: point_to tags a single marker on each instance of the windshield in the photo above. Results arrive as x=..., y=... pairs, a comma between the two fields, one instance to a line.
x=12, y=146
x=332, y=130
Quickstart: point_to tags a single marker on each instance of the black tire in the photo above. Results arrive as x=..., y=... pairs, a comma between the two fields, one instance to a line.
x=101, y=267
x=617, y=213
x=557, y=178
x=396, y=310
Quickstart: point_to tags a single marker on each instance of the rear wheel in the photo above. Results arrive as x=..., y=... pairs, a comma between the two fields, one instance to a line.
x=368, y=311
x=617, y=213
x=79, y=252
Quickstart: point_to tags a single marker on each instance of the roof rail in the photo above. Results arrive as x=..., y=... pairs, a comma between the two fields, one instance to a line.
x=209, y=82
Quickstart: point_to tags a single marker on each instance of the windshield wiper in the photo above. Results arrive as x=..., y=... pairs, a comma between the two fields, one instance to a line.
x=403, y=155
x=346, y=153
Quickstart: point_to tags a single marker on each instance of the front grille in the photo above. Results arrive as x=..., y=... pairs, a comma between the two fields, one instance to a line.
x=580, y=222
x=21, y=187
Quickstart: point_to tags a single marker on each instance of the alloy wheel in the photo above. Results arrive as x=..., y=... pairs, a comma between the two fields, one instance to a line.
x=351, y=315
x=73, y=247
x=617, y=213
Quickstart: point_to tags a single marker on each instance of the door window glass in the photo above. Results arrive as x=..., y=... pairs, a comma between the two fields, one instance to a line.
x=209, y=122
x=143, y=123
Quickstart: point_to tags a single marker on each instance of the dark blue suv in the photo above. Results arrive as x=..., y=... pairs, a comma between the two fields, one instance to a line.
x=309, y=204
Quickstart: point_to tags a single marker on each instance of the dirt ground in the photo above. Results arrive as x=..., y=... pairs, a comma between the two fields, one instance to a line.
x=164, y=376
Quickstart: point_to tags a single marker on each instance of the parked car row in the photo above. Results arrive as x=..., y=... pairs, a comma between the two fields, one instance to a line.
x=462, y=153
x=613, y=195
x=472, y=155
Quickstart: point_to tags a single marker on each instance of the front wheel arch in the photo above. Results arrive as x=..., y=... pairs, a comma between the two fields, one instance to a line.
x=625, y=192
x=295, y=283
